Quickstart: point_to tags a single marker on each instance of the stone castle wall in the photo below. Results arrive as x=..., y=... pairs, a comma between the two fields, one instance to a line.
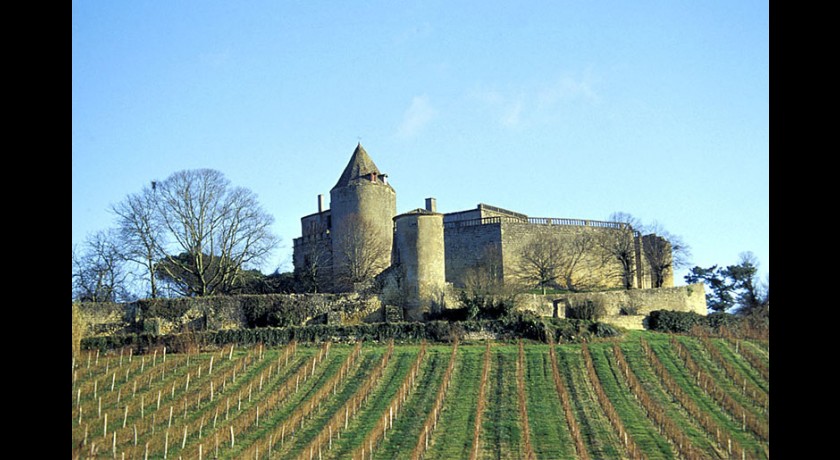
x=590, y=271
x=638, y=302
x=464, y=247
x=314, y=254
x=165, y=316
x=690, y=298
x=467, y=241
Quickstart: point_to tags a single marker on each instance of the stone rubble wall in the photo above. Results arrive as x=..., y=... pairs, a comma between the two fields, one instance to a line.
x=690, y=298
x=165, y=316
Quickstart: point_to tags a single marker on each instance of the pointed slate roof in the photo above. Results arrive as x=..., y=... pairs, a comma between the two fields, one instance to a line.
x=360, y=165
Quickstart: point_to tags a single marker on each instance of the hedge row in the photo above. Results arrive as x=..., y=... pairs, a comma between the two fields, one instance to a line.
x=519, y=326
x=685, y=322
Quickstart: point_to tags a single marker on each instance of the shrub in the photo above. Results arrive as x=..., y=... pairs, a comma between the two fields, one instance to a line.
x=479, y=306
x=719, y=319
x=674, y=321
x=168, y=309
x=603, y=330
x=450, y=314
x=689, y=322
x=590, y=310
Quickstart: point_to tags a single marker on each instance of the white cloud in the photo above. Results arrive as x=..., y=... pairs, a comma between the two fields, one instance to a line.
x=518, y=108
x=565, y=89
x=416, y=117
x=512, y=117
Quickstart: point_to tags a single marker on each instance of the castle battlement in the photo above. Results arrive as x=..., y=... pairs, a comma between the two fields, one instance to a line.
x=534, y=221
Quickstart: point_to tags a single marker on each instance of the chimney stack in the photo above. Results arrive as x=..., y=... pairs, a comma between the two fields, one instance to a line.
x=431, y=204
x=320, y=203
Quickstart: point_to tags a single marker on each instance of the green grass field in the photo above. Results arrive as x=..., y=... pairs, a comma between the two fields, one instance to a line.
x=324, y=401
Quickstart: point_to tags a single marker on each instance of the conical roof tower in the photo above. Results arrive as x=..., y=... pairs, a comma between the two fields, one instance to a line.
x=360, y=168
x=362, y=206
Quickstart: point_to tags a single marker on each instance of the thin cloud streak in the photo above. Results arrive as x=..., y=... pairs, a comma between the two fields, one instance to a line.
x=416, y=117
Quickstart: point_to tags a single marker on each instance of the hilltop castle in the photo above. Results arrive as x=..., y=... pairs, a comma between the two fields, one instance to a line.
x=361, y=235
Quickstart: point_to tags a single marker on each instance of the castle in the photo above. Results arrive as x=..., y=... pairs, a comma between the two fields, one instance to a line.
x=424, y=251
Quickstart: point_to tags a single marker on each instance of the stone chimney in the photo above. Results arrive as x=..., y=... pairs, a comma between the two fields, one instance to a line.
x=320, y=203
x=431, y=204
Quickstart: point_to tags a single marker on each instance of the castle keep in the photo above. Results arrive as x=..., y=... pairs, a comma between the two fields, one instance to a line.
x=361, y=236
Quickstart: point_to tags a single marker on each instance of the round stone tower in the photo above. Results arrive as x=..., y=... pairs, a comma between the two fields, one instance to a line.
x=362, y=206
x=419, y=258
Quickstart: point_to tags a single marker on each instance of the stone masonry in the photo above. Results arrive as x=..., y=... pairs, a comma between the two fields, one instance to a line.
x=486, y=235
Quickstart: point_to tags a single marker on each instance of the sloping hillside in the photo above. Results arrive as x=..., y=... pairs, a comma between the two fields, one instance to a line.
x=646, y=395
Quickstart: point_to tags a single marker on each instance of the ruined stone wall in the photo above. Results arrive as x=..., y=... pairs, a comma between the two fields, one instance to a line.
x=632, y=322
x=538, y=304
x=690, y=298
x=465, y=245
x=105, y=318
x=637, y=303
x=165, y=316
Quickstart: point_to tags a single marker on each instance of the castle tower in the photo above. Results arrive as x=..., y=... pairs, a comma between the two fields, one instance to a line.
x=362, y=206
x=419, y=259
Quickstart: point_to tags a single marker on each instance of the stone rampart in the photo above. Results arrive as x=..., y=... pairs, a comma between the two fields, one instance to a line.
x=106, y=318
x=464, y=246
x=164, y=316
x=690, y=298
x=624, y=308
x=632, y=322
x=590, y=270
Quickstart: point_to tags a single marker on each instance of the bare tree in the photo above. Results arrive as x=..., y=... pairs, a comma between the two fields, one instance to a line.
x=360, y=252
x=317, y=261
x=574, y=272
x=618, y=247
x=141, y=233
x=212, y=230
x=99, y=272
x=485, y=276
x=539, y=261
x=486, y=292
x=664, y=252
x=549, y=260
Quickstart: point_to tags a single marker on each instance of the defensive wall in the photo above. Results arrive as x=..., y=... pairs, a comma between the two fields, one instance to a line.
x=623, y=308
x=590, y=270
x=472, y=236
x=165, y=316
x=466, y=243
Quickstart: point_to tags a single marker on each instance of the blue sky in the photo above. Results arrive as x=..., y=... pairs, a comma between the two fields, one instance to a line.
x=576, y=109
